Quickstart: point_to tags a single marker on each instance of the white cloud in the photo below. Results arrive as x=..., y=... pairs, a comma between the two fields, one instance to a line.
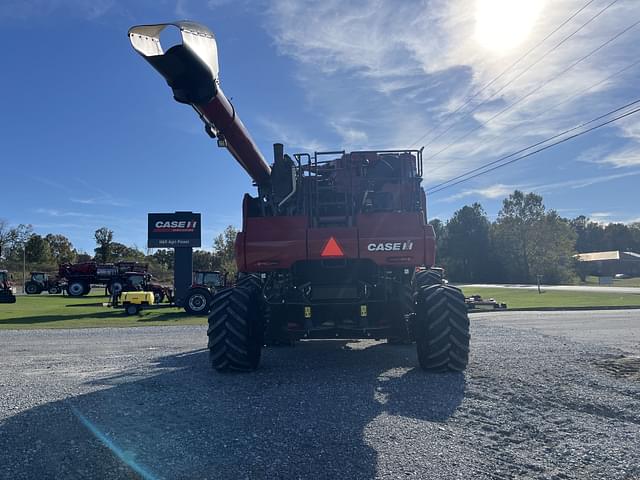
x=501, y=190
x=58, y=213
x=291, y=136
x=492, y=192
x=403, y=67
x=627, y=157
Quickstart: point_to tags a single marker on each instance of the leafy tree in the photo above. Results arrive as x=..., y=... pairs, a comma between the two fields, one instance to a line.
x=590, y=235
x=37, y=250
x=104, y=241
x=468, y=244
x=224, y=250
x=5, y=237
x=635, y=233
x=164, y=258
x=203, y=260
x=618, y=236
x=83, y=257
x=18, y=237
x=551, y=249
x=121, y=252
x=441, y=240
x=518, y=219
x=61, y=248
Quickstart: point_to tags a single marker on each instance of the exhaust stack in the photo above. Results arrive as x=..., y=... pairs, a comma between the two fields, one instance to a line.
x=191, y=70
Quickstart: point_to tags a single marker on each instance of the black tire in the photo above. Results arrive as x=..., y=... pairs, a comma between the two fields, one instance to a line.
x=425, y=278
x=54, y=290
x=132, y=309
x=115, y=287
x=236, y=328
x=32, y=288
x=76, y=288
x=197, y=302
x=442, y=329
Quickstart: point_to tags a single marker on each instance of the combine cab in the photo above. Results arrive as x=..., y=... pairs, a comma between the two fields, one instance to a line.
x=7, y=290
x=330, y=242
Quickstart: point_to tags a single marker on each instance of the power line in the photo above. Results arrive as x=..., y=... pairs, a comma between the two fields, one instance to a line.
x=546, y=147
x=577, y=127
x=548, y=52
x=538, y=88
x=598, y=83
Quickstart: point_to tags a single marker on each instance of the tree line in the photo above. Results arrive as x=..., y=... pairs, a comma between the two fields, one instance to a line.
x=20, y=244
x=525, y=241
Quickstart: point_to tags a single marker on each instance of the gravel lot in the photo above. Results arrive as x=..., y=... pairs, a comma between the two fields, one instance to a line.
x=536, y=402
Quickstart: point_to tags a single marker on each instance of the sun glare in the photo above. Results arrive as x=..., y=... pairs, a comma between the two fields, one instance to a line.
x=502, y=25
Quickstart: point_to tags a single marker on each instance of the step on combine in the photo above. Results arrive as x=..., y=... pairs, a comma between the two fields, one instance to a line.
x=333, y=244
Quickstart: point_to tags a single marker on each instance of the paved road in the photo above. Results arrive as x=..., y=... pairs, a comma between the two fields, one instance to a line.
x=143, y=403
x=566, y=288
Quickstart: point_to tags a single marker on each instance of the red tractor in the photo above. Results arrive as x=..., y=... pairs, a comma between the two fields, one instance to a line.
x=333, y=244
x=205, y=285
x=7, y=290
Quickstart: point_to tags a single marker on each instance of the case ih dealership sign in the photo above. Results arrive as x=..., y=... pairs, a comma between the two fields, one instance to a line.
x=170, y=230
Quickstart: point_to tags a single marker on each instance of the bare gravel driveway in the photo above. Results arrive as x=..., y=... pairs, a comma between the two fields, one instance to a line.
x=143, y=403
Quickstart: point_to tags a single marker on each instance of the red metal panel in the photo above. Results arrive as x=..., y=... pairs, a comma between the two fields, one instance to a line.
x=345, y=237
x=392, y=238
x=273, y=243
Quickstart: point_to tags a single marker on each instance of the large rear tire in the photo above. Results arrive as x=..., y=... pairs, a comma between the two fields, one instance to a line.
x=32, y=288
x=115, y=287
x=198, y=302
x=425, y=278
x=236, y=327
x=442, y=329
x=77, y=288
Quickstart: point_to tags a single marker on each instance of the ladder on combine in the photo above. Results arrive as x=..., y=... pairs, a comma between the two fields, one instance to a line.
x=330, y=202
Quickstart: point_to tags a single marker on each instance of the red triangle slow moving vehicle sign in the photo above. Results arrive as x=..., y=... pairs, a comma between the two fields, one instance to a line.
x=332, y=249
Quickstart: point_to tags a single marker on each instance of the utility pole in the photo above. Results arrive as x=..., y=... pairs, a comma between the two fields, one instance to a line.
x=24, y=266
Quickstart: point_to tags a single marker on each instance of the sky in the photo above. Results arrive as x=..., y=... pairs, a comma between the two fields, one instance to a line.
x=90, y=135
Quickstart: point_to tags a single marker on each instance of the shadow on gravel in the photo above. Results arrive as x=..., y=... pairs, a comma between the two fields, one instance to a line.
x=302, y=415
x=35, y=319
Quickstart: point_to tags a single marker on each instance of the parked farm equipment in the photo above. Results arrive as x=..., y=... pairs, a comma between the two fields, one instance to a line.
x=334, y=244
x=205, y=285
x=43, y=282
x=81, y=276
x=7, y=290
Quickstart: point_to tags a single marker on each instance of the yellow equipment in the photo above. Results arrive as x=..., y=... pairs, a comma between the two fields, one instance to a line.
x=134, y=301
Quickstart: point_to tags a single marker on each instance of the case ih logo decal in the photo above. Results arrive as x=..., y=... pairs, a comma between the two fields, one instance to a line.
x=171, y=230
x=390, y=246
x=175, y=226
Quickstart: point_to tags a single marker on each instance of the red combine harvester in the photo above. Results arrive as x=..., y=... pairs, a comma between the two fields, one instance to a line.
x=334, y=244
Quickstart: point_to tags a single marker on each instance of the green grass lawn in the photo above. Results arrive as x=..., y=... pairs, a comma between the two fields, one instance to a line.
x=521, y=298
x=621, y=282
x=56, y=311
x=43, y=311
